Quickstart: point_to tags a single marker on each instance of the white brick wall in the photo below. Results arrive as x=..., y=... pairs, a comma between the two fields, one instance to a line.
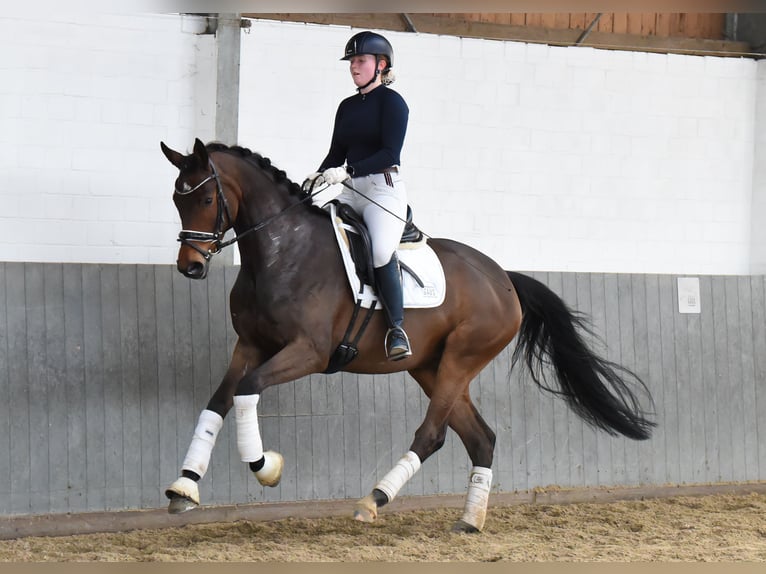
x=84, y=102
x=758, y=221
x=543, y=157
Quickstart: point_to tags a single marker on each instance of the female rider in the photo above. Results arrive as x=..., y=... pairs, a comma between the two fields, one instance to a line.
x=366, y=143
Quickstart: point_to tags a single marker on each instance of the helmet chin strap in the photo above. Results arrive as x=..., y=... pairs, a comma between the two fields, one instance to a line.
x=374, y=77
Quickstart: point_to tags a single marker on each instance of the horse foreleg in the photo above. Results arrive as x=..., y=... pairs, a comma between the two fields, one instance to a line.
x=184, y=492
x=295, y=360
x=266, y=465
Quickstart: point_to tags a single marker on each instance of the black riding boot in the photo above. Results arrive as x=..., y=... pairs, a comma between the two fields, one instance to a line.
x=389, y=287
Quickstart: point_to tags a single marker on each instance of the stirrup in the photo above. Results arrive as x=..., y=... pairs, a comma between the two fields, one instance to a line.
x=397, y=344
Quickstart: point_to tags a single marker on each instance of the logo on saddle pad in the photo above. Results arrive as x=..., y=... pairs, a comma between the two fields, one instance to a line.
x=423, y=282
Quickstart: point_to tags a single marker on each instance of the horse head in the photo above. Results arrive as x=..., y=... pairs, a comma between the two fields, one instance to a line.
x=203, y=207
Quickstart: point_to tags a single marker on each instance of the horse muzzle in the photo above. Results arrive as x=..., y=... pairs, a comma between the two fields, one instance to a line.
x=193, y=269
x=197, y=248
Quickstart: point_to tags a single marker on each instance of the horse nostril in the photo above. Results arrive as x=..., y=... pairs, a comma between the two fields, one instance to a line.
x=194, y=270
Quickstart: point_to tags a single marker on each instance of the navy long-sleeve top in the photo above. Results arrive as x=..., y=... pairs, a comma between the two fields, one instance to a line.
x=369, y=132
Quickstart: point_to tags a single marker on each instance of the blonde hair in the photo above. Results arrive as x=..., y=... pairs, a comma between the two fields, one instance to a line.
x=387, y=77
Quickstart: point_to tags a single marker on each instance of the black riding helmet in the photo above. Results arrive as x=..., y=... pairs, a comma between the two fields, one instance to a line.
x=370, y=43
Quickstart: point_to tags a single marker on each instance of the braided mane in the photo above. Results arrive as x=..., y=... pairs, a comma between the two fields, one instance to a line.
x=261, y=162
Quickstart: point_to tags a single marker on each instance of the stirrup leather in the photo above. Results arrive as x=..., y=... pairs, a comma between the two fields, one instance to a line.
x=398, y=352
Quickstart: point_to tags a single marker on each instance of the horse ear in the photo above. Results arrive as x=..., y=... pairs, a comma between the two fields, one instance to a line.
x=200, y=152
x=173, y=156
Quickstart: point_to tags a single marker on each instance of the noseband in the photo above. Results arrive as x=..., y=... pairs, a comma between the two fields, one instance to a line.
x=191, y=238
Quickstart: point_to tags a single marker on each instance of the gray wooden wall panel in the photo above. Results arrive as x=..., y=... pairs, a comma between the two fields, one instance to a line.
x=19, y=432
x=167, y=438
x=104, y=370
x=72, y=377
x=759, y=371
x=37, y=390
x=87, y=407
x=5, y=410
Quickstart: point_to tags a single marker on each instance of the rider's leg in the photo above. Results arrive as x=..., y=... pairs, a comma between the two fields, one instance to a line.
x=385, y=218
x=389, y=282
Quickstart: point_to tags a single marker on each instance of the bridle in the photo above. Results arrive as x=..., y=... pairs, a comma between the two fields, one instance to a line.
x=191, y=238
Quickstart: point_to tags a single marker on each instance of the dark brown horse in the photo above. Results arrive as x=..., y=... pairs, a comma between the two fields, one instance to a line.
x=291, y=304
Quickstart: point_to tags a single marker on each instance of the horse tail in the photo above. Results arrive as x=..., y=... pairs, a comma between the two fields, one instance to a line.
x=596, y=389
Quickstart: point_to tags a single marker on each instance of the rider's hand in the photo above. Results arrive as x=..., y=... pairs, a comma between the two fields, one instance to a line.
x=311, y=181
x=333, y=175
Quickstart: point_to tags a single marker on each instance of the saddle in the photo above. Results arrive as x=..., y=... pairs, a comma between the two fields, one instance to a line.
x=360, y=250
x=360, y=244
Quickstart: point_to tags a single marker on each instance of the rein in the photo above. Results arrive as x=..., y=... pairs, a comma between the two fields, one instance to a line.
x=190, y=237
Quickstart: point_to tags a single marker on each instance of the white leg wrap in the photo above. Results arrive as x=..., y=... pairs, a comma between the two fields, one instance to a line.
x=249, y=440
x=398, y=476
x=203, y=441
x=479, y=485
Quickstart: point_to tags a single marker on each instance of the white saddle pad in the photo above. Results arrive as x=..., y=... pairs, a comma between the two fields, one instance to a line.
x=417, y=256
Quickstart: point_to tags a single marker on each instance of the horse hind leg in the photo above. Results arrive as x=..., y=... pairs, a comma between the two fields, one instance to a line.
x=366, y=509
x=388, y=487
x=446, y=386
x=479, y=441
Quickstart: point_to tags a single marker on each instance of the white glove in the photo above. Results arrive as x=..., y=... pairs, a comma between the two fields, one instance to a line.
x=333, y=175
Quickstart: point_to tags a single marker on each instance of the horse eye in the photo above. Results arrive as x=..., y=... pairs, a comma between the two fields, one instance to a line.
x=209, y=200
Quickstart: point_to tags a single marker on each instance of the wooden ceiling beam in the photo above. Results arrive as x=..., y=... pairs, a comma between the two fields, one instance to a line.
x=433, y=24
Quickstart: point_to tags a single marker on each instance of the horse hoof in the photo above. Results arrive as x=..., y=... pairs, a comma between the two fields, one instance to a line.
x=183, y=495
x=271, y=473
x=366, y=509
x=463, y=527
x=364, y=515
x=180, y=504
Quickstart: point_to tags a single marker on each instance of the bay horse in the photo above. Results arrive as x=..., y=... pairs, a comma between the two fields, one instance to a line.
x=291, y=304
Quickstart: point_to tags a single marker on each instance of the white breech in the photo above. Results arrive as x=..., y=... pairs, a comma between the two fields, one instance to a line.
x=398, y=476
x=249, y=440
x=203, y=441
x=479, y=485
x=383, y=208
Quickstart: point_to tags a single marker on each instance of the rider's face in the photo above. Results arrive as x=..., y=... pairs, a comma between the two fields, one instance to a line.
x=362, y=68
